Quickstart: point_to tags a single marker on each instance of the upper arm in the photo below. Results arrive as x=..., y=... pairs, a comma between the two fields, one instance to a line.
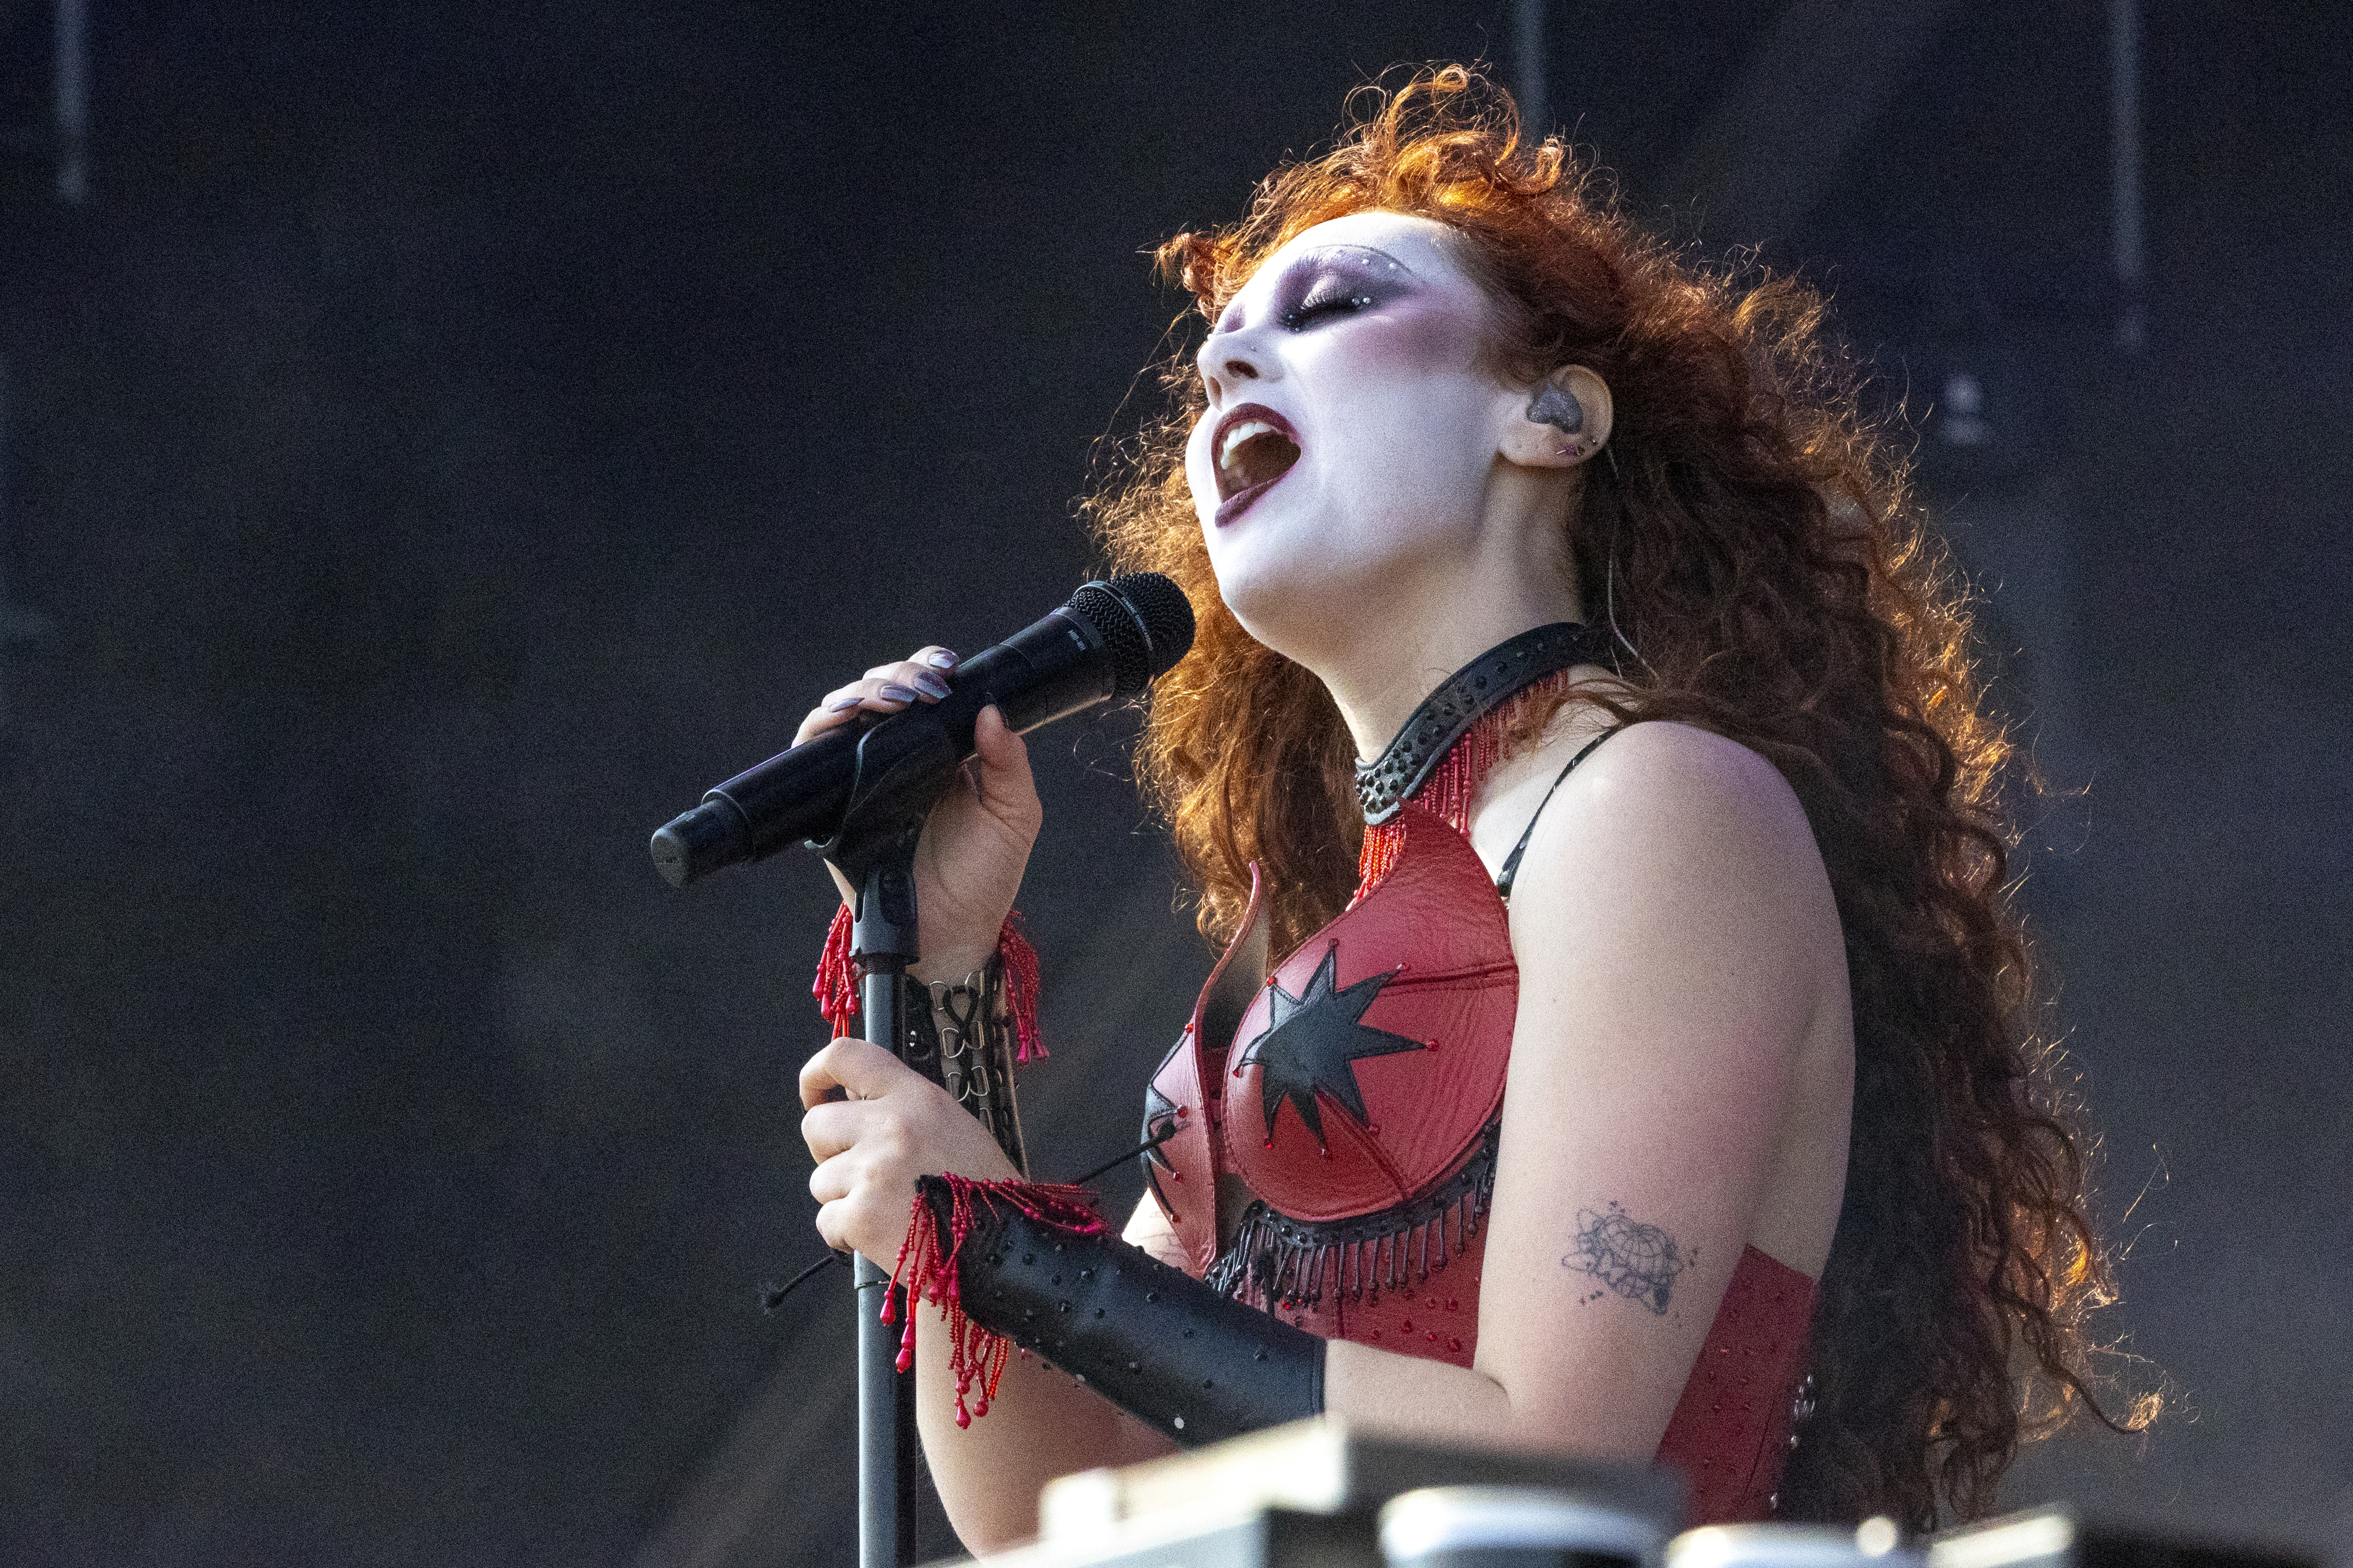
x=1673, y=928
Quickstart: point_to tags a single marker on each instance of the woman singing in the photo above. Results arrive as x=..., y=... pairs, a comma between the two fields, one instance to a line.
x=1621, y=1045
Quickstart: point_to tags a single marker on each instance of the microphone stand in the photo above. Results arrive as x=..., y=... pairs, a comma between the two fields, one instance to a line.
x=875, y=852
x=1108, y=642
x=882, y=943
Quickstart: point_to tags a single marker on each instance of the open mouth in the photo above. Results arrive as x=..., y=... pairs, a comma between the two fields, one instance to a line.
x=1254, y=448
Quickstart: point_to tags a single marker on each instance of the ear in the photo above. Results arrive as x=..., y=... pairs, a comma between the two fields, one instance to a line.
x=1558, y=422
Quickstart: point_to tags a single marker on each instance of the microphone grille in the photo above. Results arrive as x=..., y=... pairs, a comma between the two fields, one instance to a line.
x=1146, y=622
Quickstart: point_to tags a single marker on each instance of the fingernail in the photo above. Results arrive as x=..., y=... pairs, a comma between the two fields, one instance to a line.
x=893, y=692
x=838, y=703
x=930, y=684
x=943, y=659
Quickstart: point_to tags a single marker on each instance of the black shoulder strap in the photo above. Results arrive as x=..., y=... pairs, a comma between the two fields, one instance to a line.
x=1511, y=865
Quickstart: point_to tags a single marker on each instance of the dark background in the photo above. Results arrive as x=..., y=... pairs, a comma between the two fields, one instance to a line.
x=449, y=438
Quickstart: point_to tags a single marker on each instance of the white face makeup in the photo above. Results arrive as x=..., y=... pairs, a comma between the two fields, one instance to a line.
x=1350, y=427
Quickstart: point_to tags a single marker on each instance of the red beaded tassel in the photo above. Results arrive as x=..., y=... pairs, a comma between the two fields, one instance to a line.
x=1454, y=783
x=837, y=977
x=975, y=1356
x=1453, y=787
x=1383, y=842
x=1020, y=960
x=836, y=988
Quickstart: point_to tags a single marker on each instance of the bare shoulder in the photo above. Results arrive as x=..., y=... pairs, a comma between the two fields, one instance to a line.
x=1673, y=840
x=1675, y=769
x=1679, y=790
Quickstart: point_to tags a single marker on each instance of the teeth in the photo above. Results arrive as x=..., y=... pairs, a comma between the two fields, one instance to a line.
x=1240, y=434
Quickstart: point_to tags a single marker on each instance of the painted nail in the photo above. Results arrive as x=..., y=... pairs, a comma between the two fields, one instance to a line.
x=893, y=692
x=842, y=703
x=943, y=659
x=930, y=685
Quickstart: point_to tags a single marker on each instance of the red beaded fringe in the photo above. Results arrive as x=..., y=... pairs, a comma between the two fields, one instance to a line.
x=1020, y=960
x=975, y=1356
x=835, y=989
x=1453, y=787
x=837, y=977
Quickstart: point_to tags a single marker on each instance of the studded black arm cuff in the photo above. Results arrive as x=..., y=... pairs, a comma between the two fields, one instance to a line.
x=1168, y=1349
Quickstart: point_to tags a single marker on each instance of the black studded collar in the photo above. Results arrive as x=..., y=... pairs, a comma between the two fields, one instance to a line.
x=1470, y=694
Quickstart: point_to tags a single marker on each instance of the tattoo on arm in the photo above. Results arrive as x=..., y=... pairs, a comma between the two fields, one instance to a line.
x=1633, y=1260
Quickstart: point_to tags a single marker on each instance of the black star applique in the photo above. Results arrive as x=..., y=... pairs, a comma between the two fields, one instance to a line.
x=1313, y=1041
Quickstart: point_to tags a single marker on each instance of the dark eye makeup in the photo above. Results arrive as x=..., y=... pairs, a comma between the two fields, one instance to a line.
x=1333, y=281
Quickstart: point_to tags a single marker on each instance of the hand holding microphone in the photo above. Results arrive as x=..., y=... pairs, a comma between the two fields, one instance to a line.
x=841, y=783
x=977, y=841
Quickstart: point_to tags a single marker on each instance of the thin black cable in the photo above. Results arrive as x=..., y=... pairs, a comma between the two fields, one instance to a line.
x=1146, y=1147
x=772, y=1296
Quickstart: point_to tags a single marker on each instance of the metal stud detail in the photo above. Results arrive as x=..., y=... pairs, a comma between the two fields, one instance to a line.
x=1385, y=784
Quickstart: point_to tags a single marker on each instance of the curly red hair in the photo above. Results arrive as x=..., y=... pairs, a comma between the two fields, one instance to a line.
x=1756, y=541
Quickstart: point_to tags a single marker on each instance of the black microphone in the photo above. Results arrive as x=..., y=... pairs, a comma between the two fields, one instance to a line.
x=1111, y=641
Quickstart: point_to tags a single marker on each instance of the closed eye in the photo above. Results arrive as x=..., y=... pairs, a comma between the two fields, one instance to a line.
x=1335, y=281
x=1317, y=308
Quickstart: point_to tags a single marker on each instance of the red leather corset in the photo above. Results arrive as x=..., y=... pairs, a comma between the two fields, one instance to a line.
x=1337, y=1121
